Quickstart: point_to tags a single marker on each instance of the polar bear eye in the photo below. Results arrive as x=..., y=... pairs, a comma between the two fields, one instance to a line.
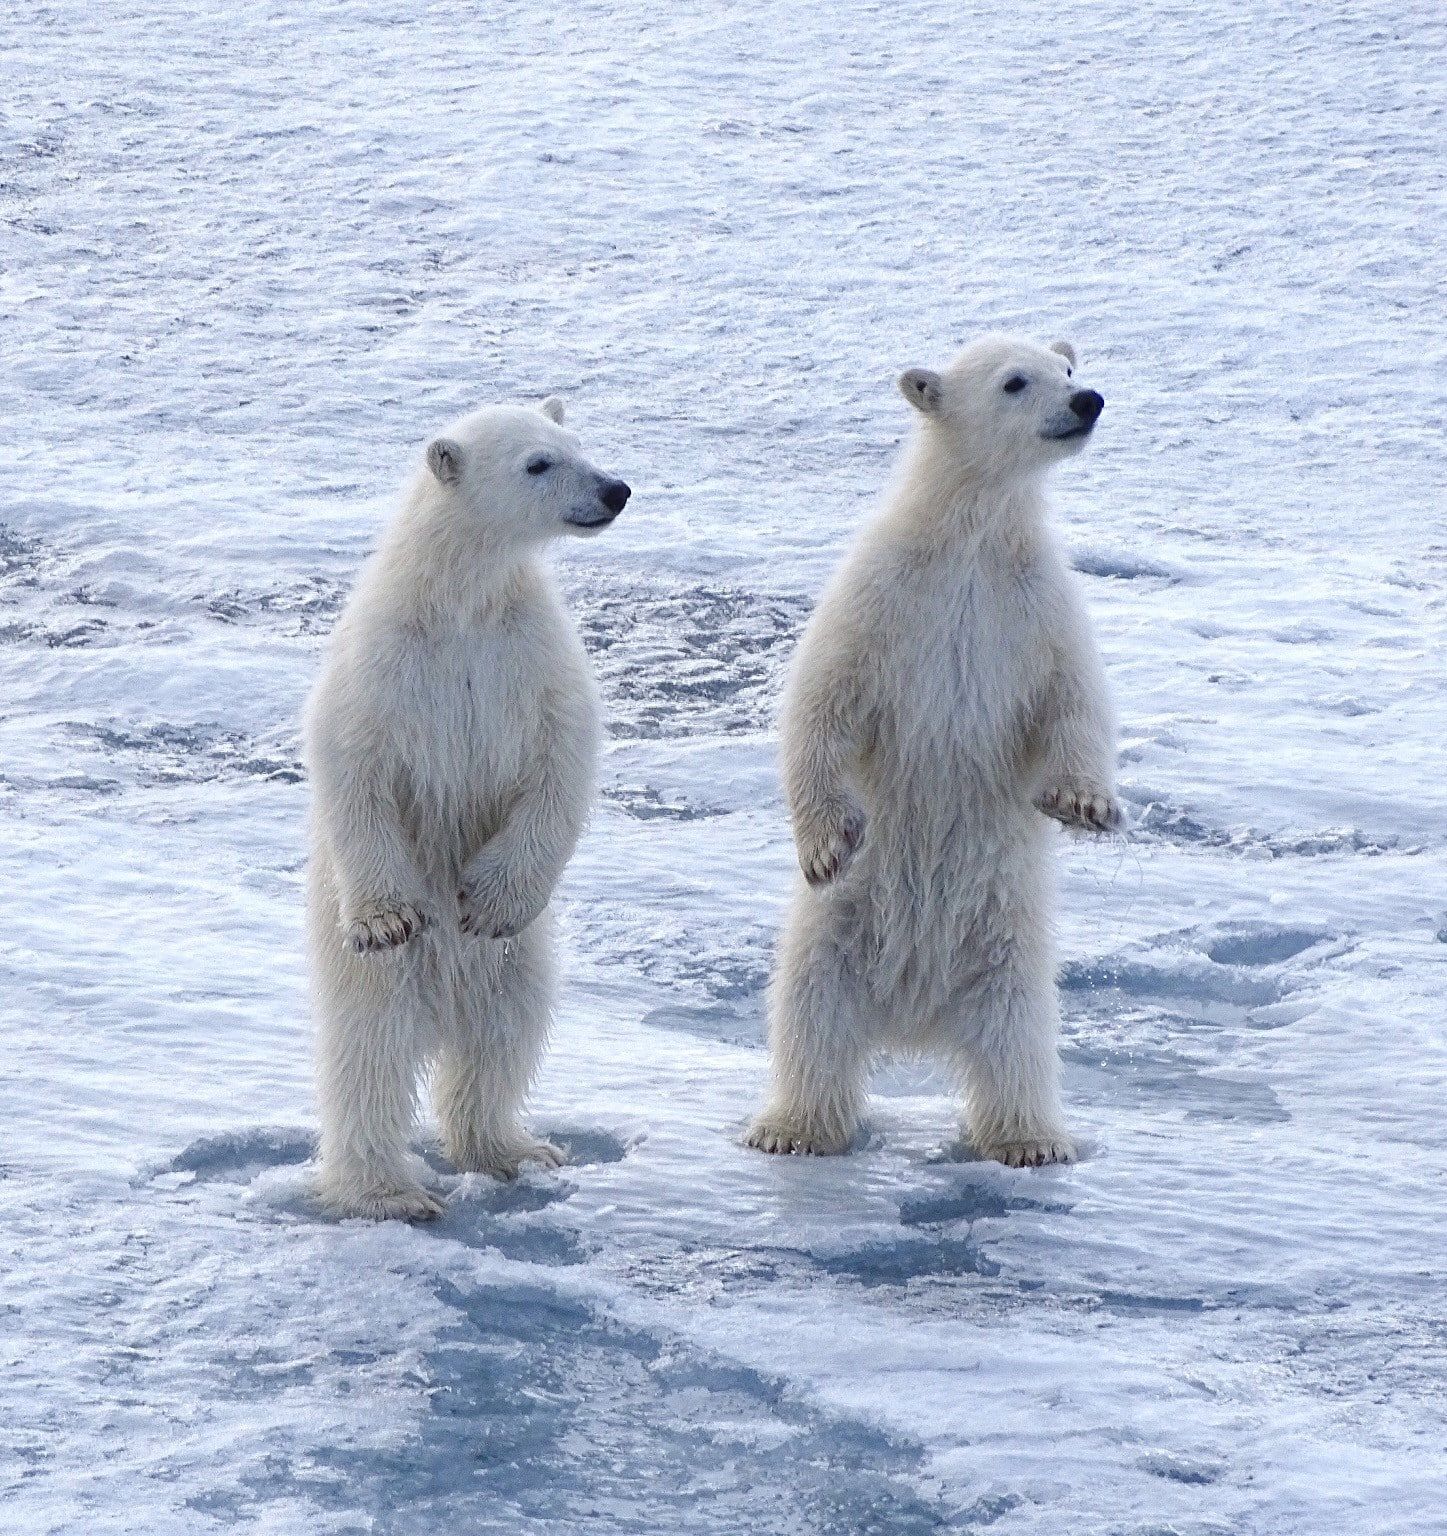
x=1013, y=385
x=539, y=464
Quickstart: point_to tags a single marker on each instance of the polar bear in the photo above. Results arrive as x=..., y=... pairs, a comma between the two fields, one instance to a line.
x=452, y=739
x=947, y=691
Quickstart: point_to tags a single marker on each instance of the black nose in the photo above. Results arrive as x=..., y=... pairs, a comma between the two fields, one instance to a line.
x=614, y=495
x=1087, y=405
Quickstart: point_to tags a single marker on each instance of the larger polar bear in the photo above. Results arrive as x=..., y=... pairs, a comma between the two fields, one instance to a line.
x=947, y=692
x=452, y=740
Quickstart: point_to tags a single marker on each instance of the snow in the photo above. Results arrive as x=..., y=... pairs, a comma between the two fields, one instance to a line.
x=249, y=256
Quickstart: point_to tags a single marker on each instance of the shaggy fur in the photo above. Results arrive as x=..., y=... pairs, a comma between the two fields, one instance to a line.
x=452, y=740
x=946, y=693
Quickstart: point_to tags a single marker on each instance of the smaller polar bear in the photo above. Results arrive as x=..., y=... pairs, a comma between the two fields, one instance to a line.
x=946, y=692
x=452, y=740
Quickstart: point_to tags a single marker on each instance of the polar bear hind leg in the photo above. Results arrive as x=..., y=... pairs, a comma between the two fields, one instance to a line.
x=492, y=1038
x=370, y=1022
x=1003, y=1028
x=819, y=1042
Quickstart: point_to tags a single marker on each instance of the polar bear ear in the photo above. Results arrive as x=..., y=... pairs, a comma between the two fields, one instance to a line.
x=552, y=408
x=1066, y=351
x=444, y=459
x=922, y=389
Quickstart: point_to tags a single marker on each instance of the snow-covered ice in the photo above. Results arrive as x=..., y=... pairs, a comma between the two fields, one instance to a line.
x=249, y=255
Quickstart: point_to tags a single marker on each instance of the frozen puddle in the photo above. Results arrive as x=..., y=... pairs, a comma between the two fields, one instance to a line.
x=543, y=1412
x=535, y=1405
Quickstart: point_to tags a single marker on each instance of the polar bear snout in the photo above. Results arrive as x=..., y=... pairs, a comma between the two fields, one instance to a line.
x=612, y=498
x=614, y=495
x=1087, y=405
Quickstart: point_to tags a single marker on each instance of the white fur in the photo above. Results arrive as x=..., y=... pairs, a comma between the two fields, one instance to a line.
x=946, y=692
x=452, y=740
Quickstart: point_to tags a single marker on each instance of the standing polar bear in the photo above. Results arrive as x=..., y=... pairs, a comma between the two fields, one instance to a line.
x=452, y=741
x=947, y=692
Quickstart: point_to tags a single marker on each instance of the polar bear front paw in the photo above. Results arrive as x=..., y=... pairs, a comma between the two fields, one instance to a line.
x=386, y=928
x=771, y=1133
x=486, y=914
x=827, y=847
x=1030, y=1153
x=1094, y=809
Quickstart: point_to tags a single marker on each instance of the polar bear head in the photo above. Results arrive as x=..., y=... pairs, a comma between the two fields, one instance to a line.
x=521, y=476
x=1005, y=407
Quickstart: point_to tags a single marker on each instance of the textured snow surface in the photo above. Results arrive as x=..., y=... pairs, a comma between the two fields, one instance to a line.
x=249, y=256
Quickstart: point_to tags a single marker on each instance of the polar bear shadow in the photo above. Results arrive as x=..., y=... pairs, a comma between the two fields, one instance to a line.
x=273, y=1169
x=237, y=1156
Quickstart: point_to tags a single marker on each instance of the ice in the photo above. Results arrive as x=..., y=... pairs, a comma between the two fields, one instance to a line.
x=249, y=256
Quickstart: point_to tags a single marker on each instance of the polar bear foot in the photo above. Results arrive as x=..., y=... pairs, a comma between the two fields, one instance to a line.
x=1030, y=1154
x=780, y=1135
x=404, y=1203
x=504, y=1160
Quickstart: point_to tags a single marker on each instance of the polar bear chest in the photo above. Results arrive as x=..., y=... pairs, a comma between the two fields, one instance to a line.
x=470, y=735
x=973, y=660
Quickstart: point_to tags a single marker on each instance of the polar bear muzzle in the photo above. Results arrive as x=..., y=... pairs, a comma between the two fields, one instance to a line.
x=612, y=498
x=1086, y=406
